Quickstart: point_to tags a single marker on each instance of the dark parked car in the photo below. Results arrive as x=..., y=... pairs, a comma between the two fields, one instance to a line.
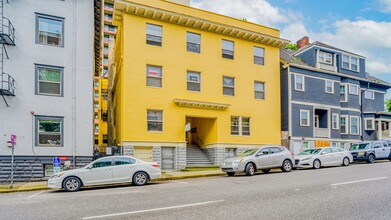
x=371, y=151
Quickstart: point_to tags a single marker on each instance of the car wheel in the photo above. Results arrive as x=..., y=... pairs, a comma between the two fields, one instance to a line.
x=345, y=162
x=286, y=166
x=316, y=164
x=140, y=178
x=371, y=158
x=250, y=169
x=266, y=170
x=71, y=184
x=231, y=173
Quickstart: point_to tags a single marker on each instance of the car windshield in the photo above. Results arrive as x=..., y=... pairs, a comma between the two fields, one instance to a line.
x=249, y=152
x=360, y=146
x=310, y=152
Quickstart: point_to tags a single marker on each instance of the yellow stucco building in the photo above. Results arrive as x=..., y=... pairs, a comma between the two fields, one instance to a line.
x=186, y=78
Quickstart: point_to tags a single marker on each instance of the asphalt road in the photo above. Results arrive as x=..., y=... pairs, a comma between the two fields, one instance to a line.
x=360, y=191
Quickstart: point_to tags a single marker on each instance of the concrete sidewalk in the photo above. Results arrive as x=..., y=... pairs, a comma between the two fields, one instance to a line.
x=42, y=185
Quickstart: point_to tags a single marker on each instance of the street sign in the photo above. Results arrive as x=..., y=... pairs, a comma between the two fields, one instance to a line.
x=56, y=170
x=13, y=139
x=187, y=127
x=56, y=162
x=56, y=165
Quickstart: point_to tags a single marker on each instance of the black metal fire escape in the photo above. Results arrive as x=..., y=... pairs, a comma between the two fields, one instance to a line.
x=7, y=37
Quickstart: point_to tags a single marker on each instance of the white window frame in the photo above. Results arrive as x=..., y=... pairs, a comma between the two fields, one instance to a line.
x=350, y=63
x=373, y=94
x=346, y=86
x=350, y=90
x=358, y=125
x=229, y=86
x=346, y=124
x=240, y=125
x=336, y=127
x=323, y=54
x=372, y=123
x=225, y=52
x=156, y=121
x=259, y=60
x=189, y=72
x=148, y=76
x=259, y=91
x=308, y=118
x=156, y=40
x=332, y=86
x=303, y=82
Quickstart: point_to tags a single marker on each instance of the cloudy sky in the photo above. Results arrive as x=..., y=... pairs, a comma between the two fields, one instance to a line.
x=359, y=26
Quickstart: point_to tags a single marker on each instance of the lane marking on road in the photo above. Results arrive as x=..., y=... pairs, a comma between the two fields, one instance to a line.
x=153, y=210
x=359, y=181
x=36, y=194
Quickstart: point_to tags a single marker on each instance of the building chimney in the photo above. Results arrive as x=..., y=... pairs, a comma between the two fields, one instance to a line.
x=302, y=42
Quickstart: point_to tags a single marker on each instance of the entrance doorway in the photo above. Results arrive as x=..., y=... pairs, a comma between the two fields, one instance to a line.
x=202, y=131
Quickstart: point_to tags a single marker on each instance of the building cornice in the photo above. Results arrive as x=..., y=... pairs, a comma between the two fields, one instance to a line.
x=200, y=104
x=194, y=22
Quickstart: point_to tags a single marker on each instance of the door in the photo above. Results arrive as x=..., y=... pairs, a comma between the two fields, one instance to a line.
x=380, y=150
x=326, y=156
x=123, y=169
x=100, y=173
x=277, y=156
x=168, y=156
x=263, y=158
x=143, y=153
x=338, y=155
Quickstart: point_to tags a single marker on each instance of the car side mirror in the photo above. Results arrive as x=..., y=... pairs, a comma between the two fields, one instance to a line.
x=89, y=166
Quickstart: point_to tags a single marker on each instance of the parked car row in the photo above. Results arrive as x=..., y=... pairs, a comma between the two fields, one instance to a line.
x=270, y=156
x=126, y=169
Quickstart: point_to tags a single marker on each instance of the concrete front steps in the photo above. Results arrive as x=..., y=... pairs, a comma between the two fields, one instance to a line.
x=195, y=157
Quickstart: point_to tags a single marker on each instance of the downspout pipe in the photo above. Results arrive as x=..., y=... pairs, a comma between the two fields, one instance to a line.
x=74, y=127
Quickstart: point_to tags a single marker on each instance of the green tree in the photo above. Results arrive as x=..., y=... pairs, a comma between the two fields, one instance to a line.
x=388, y=105
x=291, y=46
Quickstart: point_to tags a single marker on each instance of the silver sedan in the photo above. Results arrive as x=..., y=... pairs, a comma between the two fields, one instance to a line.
x=326, y=156
x=106, y=170
x=264, y=158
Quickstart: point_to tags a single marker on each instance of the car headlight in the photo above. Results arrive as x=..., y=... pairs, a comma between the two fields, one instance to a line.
x=361, y=153
x=57, y=175
x=236, y=162
x=307, y=158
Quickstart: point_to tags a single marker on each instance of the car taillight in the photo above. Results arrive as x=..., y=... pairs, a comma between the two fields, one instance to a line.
x=155, y=165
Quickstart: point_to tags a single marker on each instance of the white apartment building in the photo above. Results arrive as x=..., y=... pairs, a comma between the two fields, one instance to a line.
x=50, y=88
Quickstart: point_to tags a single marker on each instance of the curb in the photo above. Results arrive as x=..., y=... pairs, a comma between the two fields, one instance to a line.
x=155, y=180
x=187, y=177
x=23, y=189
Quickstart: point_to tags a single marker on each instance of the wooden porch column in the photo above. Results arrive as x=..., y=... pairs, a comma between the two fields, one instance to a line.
x=379, y=131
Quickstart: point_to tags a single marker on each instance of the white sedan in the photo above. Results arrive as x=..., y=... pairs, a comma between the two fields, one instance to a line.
x=106, y=170
x=326, y=156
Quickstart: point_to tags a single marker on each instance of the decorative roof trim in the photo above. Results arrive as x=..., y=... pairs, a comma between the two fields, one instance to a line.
x=200, y=104
x=334, y=73
x=194, y=22
x=336, y=50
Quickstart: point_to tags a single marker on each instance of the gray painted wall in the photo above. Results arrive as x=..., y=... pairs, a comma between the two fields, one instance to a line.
x=302, y=131
x=315, y=91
